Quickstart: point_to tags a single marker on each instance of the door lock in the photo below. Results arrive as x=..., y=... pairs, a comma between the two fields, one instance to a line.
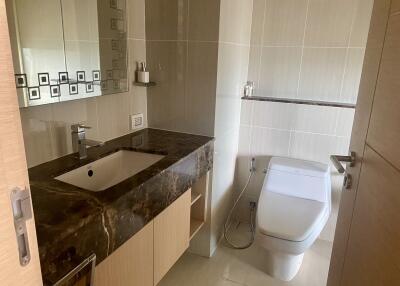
x=22, y=211
x=348, y=181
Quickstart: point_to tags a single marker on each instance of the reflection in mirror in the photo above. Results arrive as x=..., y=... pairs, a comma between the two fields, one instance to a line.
x=68, y=49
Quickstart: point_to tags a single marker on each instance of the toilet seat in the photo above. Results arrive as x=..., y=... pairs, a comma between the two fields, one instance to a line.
x=270, y=242
x=289, y=218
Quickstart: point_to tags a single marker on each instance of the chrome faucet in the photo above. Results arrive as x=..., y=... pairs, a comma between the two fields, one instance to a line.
x=79, y=141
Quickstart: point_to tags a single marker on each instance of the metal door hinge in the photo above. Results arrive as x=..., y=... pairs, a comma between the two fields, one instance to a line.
x=22, y=211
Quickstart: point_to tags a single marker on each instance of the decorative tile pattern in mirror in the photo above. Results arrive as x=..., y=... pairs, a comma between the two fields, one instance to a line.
x=68, y=49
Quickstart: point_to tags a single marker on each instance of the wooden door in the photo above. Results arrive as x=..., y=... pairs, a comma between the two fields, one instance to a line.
x=367, y=241
x=13, y=173
x=171, y=235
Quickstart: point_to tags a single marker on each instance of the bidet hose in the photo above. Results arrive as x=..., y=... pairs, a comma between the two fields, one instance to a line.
x=252, y=211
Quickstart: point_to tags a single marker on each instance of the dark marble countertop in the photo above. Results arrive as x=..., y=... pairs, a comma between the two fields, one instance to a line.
x=72, y=223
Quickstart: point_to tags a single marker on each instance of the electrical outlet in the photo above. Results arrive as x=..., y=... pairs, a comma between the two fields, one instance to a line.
x=137, y=121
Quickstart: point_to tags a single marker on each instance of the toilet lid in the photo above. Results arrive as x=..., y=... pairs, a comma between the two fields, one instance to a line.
x=287, y=217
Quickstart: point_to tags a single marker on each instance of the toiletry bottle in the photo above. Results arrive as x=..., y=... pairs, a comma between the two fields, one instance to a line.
x=142, y=74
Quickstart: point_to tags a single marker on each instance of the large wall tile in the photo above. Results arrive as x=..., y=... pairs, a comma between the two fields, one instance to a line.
x=136, y=19
x=227, y=114
x=395, y=6
x=279, y=73
x=235, y=21
x=284, y=22
x=37, y=125
x=316, y=147
x=359, y=33
x=166, y=101
x=246, y=112
x=345, y=120
x=269, y=142
x=166, y=19
x=204, y=20
x=273, y=115
x=254, y=66
x=113, y=115
x=244, y=140
x=231, y=61
x=257, y=22
x=137, y=54
x=314, y=119
x=322, y=73
x=329, y=23
x=352, y=76
x=201, y=87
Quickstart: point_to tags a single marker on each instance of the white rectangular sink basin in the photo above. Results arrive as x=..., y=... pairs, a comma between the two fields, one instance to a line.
x=109, y=171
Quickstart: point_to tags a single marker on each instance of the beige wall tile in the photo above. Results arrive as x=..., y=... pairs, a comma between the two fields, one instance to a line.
x=235, y=21
x=316, y=147
x=284, y=22
x=273, y=115
x=322, y=73
x=137, y=54
x=329, y=23
x=246, y=112
x=166, y=19
x=136, y=19
x=166, y=101
x=345, y=122
x=201, y=87
x=254, y=65
x=395, y=6
x=227, y=114
x=257, y=21
x=352, y=76
x=314, y=119
x=362, y=18
x=279, y=73
x=113, y=115
x=269, y=142
x=37, y=128
x=204, y=20
x=231, y=60
x=244, y=141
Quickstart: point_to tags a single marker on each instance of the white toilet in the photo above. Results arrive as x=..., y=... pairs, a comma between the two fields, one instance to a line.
x=293, y=208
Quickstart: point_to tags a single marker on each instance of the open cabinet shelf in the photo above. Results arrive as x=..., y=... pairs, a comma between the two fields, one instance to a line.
x=198, y=209
x=195, y=226
x=195, y=197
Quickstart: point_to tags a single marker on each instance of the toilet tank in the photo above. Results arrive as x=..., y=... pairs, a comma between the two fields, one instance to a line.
x=298, y=178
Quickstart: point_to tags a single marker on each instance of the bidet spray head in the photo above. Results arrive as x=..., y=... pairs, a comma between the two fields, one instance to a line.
x=252, y=165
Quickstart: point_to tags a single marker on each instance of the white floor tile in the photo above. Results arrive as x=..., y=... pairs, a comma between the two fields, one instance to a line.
x=229, y=267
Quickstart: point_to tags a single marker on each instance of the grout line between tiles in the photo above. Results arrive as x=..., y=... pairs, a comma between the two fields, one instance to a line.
x=262, y=43
x=293, y=131
x=302, y=49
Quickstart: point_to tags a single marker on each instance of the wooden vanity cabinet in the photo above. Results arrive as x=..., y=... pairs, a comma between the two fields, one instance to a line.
x=171, y=235
x=131, y=264
x=145, y=258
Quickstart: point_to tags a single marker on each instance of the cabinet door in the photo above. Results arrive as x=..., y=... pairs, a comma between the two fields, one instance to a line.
x=131, y=264
x=171, y=235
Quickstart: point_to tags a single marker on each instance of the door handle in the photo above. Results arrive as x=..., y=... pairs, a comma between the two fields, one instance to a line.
x=338, y=159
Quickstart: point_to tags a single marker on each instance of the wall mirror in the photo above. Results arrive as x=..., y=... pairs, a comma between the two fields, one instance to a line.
x=68, y=49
